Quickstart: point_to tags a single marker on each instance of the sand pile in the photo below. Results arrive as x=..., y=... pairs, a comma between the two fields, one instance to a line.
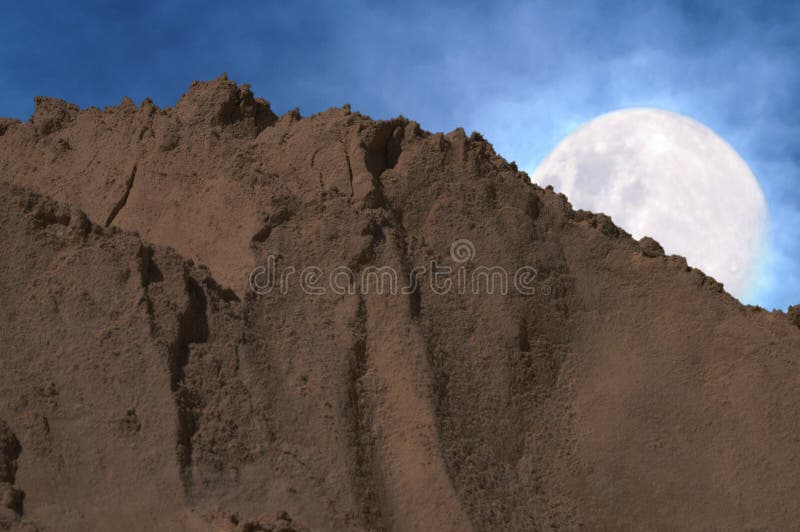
x=161, y=370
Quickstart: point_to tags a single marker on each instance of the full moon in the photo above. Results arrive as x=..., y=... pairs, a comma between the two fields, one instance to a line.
x=664, y=175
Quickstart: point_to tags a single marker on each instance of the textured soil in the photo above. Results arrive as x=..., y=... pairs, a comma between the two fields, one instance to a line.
x=144, y=386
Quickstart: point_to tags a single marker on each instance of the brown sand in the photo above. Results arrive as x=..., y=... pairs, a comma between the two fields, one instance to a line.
x=144, y=387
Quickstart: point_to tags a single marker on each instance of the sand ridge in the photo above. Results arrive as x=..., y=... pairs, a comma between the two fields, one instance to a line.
x=145, y=385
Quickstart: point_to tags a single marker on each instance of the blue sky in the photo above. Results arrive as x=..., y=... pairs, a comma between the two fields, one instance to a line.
x=525, y=74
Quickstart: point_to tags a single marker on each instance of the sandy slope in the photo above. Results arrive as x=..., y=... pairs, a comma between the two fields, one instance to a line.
x=140, y=390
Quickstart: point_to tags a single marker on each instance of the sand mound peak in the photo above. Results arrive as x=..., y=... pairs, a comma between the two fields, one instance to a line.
x=561, y=374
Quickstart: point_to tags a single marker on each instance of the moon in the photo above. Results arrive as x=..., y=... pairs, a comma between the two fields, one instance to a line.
x=667, y=176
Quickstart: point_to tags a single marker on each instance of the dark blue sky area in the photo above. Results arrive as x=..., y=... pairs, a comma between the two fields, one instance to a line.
x=525, y=74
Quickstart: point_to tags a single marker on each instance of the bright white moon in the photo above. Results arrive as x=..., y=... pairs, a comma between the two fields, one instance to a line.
x=661, y=174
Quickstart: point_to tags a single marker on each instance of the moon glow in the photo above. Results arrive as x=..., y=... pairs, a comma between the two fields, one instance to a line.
x=664, y=175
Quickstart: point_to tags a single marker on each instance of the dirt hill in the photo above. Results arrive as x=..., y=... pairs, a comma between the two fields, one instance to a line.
x=152, y=377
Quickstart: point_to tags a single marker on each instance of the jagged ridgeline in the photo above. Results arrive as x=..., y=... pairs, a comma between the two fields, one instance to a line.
x=145, y=385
